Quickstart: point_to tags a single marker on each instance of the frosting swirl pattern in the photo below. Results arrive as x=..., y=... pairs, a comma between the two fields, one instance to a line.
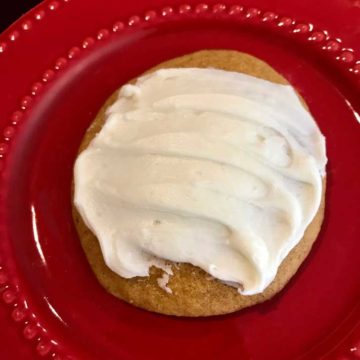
x=209, y=167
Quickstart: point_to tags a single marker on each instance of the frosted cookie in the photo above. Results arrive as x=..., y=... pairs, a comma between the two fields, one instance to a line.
x=199, y=187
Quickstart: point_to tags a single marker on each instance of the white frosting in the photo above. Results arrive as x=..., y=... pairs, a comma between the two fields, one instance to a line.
x=163, y=282
x=214, y=168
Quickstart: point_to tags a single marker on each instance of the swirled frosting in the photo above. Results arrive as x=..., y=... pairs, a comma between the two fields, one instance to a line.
x=214, y=168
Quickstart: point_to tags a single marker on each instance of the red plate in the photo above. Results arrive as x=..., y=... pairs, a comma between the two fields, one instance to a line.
x=59, y=63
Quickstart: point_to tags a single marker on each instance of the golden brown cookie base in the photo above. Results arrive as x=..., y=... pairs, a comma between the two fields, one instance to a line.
x=194, y=292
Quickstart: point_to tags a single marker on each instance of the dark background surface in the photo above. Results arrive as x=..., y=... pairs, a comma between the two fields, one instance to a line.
x=11, y=10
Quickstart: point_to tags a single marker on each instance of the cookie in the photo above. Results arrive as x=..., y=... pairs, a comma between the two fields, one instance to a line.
x=194, y=292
